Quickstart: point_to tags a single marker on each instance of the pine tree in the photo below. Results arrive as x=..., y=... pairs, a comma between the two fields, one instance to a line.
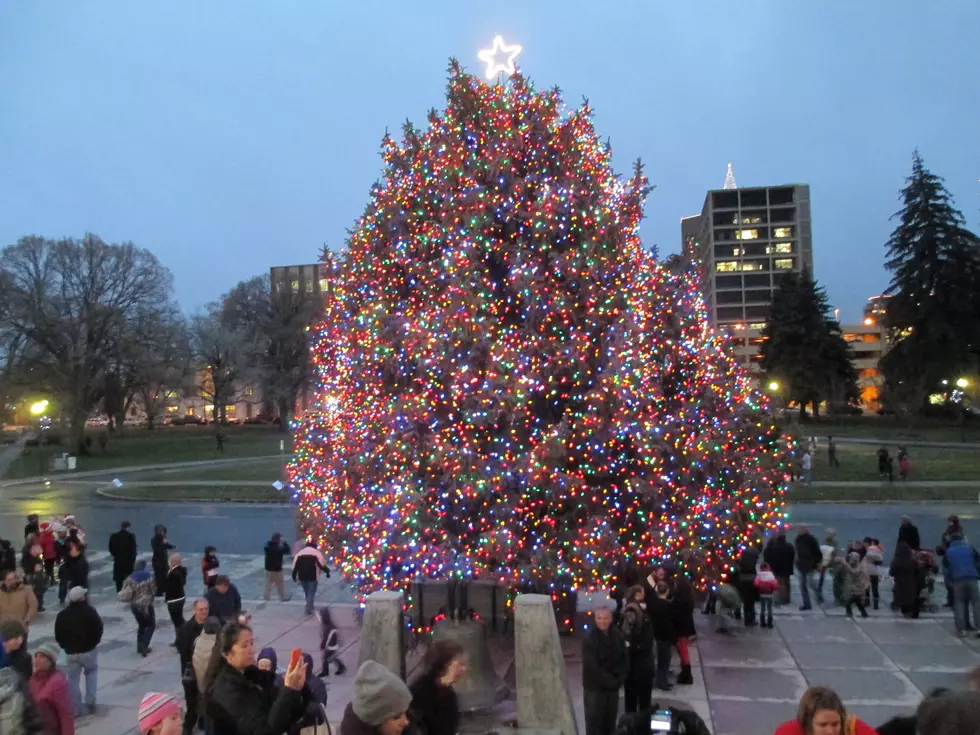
x=803, y=348
x=933, y=310
x=507, y=382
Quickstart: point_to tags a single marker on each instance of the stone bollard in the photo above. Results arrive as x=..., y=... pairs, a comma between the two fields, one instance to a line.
x=543, y=699
x=383, y=632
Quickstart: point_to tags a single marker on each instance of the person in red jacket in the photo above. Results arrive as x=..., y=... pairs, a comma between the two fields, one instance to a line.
x=49, y=692
x=821, y=712
x=766, y=585
x=46, y=538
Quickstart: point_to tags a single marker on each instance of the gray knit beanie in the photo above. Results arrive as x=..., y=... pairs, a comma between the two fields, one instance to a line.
x=956, y=713
x=378, y=694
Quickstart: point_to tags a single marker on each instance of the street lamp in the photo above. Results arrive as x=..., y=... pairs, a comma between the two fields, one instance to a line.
x=774, y=386
x=962, y=383
x=38, y=409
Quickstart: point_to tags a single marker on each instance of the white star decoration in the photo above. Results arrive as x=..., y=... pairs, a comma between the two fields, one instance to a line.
x=492, y=57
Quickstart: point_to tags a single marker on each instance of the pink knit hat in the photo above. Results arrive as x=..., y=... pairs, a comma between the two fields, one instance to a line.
x=155, y=708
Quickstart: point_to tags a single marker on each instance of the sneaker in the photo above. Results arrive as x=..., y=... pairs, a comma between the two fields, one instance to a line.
x=90, y=708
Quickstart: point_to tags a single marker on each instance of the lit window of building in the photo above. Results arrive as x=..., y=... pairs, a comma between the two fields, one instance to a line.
x=753, y=265
x=746, y=234
x=294, y=286
x=324, y=283
x=783, y=247
x=782, y=232
x=784, y=264
x=757, y=325
x=726, y=266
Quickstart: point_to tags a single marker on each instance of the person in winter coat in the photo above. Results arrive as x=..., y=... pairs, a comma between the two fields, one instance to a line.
x=908, y=533
x=780, y=556
x=235, y=703
x=186, y=638
x=17, y=602
x=873, y=560
x=960, y=564
x=78, y=630
x=638, y=632
x=33, y=525
x=122, y=548
x=307, y=565
x=269, y=676
x=808, y=557
x=329, y=644
x=174, y=593
x=765, y=586
x=434, y=700
x=604, y=668
x=203, y=648
x=209, y=567
x=275, y=550
x=828, y=555
x=8, y=555
x=13, y=652
x=855, y=585
x=908, y=576
x=380, y=703
x=314, y=695
x=953, y=526
x=682, y=605
x=46, y=538
x=159, y=714
x=32, y=562
x=161, y=547
x=16, y=703
x=952, y=713
x=663, y=634
x=747, y=562
x=50, y=694
x=822, y=711
x=74, y=571
x=138, y=590
x=224, y=600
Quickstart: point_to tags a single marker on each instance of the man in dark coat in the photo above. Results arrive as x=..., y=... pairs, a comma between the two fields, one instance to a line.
x=122, y=547
x=909, y=533
x=781, y=557
x=808, y=560
x=604, y=669
x=187, y=634
x=747, y=562
x=161, y=558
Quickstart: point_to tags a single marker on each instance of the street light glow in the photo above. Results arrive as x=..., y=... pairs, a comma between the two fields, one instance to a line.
x=38, y=408
x=774, y=385
x=962, y=383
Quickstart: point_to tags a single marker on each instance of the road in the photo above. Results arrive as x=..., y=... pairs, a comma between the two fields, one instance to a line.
x=244, y=528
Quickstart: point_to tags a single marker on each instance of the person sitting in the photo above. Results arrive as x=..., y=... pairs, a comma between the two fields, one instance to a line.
x=820, y=711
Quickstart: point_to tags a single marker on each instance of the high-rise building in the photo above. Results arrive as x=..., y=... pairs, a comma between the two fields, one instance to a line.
x=745, y=240
x=311, y=278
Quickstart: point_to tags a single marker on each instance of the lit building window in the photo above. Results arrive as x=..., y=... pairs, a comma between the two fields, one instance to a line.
x=752, y=266
x=783, y=264
x=757, y=325
x=737, y=251
x=782, y=232
x=309, y=286
x=726, y=266
x=748, y=219
x=230, y=411
x=294, y=286
x=324, y=284
x=783, y=247
x=746, y=234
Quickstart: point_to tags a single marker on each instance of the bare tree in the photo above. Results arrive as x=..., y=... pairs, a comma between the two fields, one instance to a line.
x=223, y=351
x=160, y=362
x=68, y=301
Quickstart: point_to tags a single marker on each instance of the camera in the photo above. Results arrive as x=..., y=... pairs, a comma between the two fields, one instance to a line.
x=660, y=719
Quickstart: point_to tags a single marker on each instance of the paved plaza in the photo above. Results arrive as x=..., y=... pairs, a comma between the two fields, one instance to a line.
x=746, y=683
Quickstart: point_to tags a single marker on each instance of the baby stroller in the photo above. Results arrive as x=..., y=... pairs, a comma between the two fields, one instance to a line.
x=927, y=563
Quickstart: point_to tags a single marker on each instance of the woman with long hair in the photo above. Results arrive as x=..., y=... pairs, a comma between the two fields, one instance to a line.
x=434, y=701
x=234, y=698
x=821, y=712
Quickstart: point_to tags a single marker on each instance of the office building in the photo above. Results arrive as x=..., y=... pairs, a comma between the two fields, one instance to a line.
x=744, y=241
x=310, y=278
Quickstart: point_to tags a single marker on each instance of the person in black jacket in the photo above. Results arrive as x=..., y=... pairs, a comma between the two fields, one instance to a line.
x=78, y=630
x=747, y=562
x=638, y=631
x=187, y=634
x=235, y=703
x=604, y=668
x=781, y=556
x=161, y=556
x=275, y=550
x=174, y=592
x=224, y=600
x=434, y=701
x=122, y=547
x=74, y=571
x=909, y=533
x=33, y=525
x=663, y=633
x=808, y=560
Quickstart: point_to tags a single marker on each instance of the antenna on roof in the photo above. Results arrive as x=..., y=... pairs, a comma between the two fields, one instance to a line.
x=730, y=179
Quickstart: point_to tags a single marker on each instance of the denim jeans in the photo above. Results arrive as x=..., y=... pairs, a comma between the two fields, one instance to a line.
x=805, y=588
x=309, y=590
x=663, y=664
x=765, y=610
x=966, y=595
x=78, y=664
x=146, y=623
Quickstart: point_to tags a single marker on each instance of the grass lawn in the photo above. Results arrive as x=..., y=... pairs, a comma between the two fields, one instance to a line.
x=250, y=471
x=893, y=493
x=162, y=445
x=215, y=493
x=888, y=428
x=859, y=462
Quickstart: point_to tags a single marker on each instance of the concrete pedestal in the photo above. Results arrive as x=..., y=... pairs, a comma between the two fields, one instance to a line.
x=481, y=688
x=544, y=701
x=383, y=632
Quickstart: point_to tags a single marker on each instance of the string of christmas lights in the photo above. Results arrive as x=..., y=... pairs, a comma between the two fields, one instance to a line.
x=508, y=385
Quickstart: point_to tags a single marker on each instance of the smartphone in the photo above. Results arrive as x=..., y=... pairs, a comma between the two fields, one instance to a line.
x=660, y=721
x=295, y=656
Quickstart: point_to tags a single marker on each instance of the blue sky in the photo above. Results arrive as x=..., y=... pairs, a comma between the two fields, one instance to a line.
x=228, y=136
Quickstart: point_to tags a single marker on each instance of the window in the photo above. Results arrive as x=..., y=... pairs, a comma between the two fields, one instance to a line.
x=171, y=410
x=757, y=281
x=725, y=199
x=782, y=232
x=783, y=248
x=781, y=196
x=729, y=313
x=757, y=295
x=783, y=264
x=746, y=234
x=753, y=197
x=294, y=286
x=757, y=312
x=782, y=215
x=190, y=411
x=728, y=282
x=724, y=234
x=309, y=286
x=757, y=325
x=726, y=266
x=728, y=297
x=324, y=285
x=724, y=218
x=727, y=251
x=249, y=391
x=755, y=265
x=230, y=411
x=755, y=249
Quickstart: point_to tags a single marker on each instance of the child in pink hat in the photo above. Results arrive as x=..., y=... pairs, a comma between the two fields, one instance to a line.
x=160, y=714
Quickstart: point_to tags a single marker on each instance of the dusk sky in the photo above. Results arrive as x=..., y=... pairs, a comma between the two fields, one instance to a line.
x=227, y=136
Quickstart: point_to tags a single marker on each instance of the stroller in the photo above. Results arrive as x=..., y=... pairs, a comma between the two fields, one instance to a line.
x=927, y=563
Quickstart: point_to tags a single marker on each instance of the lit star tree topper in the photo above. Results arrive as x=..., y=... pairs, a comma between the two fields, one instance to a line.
x=500, y=57
x=508, y=385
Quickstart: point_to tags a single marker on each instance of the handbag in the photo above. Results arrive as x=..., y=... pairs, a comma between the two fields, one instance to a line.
x=320, y=729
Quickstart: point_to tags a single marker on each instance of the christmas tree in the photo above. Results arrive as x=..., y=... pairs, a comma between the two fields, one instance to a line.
x=508, y=385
